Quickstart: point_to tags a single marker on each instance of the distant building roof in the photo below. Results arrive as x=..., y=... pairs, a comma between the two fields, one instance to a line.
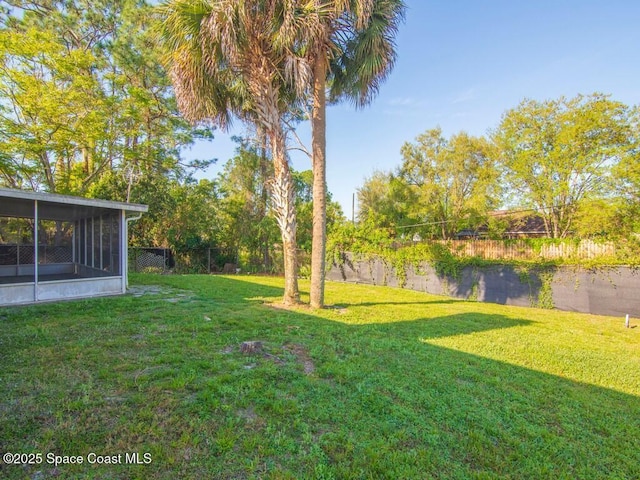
x=521, y=223
x=529, y=224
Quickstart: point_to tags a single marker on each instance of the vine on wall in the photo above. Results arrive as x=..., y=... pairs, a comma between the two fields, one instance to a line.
x=448, y=266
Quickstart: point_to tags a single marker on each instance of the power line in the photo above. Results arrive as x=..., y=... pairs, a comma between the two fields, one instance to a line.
x=425, y=224
x=506, y=212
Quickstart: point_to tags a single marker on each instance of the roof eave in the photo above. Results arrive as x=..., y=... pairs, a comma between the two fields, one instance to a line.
x=70, y=200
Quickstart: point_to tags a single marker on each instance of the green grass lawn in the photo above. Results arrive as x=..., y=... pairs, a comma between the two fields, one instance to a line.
x=387, y=383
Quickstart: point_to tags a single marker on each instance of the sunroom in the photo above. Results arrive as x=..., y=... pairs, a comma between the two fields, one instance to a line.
x=55, y=247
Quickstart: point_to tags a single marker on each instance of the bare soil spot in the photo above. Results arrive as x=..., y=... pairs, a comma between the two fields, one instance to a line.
x=256, y=348
x=249, y=414
x=171, y=295
x=302, y=355
x=303, y=307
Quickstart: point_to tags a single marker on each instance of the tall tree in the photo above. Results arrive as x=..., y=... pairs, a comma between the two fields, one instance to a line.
x=51, y=113
x=249, y=227
x=231, y=59
x=83, y=94
x=352, y=49
x=627, y=171
x=559, y=153
x=454, y=180
x=384, y=201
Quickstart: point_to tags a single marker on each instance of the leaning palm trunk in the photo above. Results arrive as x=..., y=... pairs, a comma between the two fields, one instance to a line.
x=229, y=59
x=269, y=117
x=283, y=195
x=318, y=240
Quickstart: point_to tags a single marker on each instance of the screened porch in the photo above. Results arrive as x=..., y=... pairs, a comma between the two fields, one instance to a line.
x=55, y=247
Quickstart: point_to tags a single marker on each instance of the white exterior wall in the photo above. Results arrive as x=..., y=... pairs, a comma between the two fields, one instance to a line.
x=17, y=294
x=80, y=288
x=24, y=293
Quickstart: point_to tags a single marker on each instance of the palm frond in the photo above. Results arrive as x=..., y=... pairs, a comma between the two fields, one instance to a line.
x=365, y=55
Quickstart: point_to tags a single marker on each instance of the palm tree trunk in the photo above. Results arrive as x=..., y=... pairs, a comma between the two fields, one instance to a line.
x=284, y=206
x=264, y=177
x=319, y=147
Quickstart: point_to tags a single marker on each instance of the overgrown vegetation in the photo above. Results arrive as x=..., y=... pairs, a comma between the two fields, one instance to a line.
x=570, y=164
x=385, y=384
x=367, y=242
x=87, y=109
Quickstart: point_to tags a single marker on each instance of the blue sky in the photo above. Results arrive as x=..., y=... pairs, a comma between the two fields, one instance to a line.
x=463, y=63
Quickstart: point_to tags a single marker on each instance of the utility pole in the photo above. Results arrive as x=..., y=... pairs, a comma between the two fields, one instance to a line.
x=353, y=208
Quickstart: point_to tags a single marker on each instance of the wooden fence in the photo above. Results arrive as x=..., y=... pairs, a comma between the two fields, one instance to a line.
x=523, y=250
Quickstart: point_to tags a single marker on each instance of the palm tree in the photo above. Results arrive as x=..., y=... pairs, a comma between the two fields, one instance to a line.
x=354, y=52
x=229, y=59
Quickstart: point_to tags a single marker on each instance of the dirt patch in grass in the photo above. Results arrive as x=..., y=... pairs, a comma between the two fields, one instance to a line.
x=302, y=356
x=171, y=295
x=258, y=348
x=296, y=307
x=249, y=414
x=304, y=307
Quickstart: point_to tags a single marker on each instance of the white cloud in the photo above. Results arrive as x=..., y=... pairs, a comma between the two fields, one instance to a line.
x=465, y=96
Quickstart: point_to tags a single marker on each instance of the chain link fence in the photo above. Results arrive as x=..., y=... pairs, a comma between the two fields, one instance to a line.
x=53, y=254
x=150, y=260
x=16, y=254
x=209, y=260
x=165, y=260
x=24, y=254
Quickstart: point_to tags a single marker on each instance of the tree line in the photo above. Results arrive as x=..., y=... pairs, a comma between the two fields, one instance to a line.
x=99, y=99
x=84, y=99
x=574, y=163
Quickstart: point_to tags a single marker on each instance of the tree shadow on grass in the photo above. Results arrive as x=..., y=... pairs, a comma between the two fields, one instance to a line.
x=461, y=415
x=381, y=401
x=443, y=301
